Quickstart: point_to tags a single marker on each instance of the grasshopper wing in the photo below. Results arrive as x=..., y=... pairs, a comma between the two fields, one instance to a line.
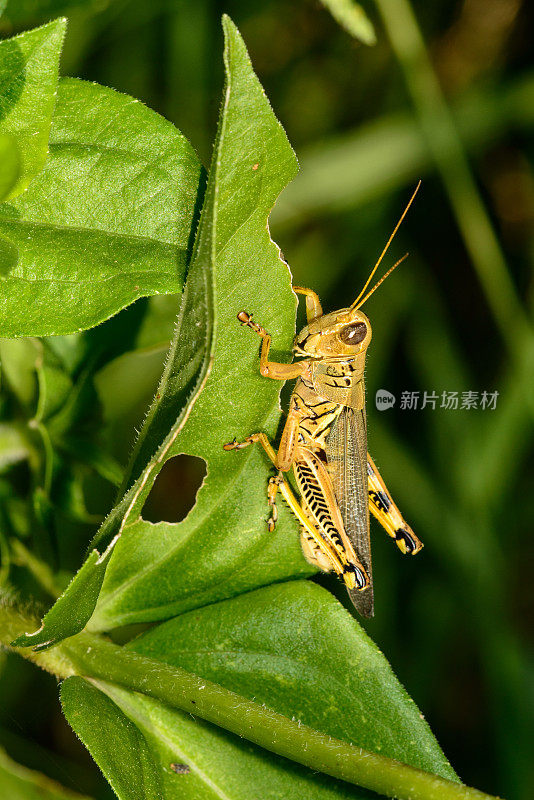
x=346, y=453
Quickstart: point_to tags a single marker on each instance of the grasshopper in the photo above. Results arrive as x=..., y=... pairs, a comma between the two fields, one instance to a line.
x=324, y=441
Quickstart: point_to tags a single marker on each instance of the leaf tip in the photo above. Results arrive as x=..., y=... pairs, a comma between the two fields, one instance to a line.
x=230, y=30
x=57, y=25
x=227, y=22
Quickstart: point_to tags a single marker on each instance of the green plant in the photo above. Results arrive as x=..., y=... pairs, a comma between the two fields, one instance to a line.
x=104, y=204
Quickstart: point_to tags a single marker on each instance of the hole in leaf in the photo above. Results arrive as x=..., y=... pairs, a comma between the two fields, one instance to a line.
x=175, y=489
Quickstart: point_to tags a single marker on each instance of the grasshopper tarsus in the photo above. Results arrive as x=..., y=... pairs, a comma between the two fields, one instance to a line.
x=246, y=319
x=235, y=445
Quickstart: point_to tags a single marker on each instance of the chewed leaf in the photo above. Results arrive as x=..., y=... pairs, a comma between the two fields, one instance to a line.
x=223, y=546
x=74, y=607
x=108, y=219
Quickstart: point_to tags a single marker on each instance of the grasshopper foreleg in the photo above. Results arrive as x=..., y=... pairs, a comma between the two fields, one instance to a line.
x=271, y=369
x=313, y=304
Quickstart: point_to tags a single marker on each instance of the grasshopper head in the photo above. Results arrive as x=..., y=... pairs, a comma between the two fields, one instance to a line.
x=340, y=334
x=346, y=333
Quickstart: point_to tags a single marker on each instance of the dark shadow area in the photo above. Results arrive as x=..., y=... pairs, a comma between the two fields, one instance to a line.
x=174, y=492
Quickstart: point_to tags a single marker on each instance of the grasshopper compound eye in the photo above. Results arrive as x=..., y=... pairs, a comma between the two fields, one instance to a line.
x=353, y=334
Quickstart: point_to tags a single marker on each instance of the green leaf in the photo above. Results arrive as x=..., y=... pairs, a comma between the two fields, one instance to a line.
x=29, y=65
x=135, y=740
x=17, y=360
x=55, y=384
x=158, y=322
x=9, y=165
x=70, y=613
x=20, y=783
x=351, y=16
x=73, y=609
x=115, y=742
x=225, y=532
x=13, y=445
x=223, y=547
x=108, y=220
x=97, y=658
x=296, y=649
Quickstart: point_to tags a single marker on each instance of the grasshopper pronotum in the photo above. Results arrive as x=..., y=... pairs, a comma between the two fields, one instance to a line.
x=324, y=440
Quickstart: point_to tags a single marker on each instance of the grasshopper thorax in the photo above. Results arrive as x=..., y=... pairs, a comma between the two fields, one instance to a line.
x=339, y=335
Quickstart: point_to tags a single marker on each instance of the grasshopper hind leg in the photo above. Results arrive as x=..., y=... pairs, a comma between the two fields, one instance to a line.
x=312, y=552
x=388, y=515
x=318, y=550
x=353, y=577
x=352, y=574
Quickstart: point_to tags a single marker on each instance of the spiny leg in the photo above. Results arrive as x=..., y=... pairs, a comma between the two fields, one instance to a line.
x=272, y=490
x=274, y=482
x=320, y=506
x=312, y=553
x=316, y=550
x=327, y=550
x=388, y=515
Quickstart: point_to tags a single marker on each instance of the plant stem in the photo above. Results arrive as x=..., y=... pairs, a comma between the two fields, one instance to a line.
x=91, y=656
x=96, y=658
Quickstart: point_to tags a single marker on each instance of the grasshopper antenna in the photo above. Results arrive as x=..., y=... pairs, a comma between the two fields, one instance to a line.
x=382, y=279
x=357, y=302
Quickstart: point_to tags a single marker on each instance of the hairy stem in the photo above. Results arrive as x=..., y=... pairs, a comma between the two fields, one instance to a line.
x=96, y=658
x=92, y=656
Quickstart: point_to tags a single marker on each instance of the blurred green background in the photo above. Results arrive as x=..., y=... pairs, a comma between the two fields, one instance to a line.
x=446, y=95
